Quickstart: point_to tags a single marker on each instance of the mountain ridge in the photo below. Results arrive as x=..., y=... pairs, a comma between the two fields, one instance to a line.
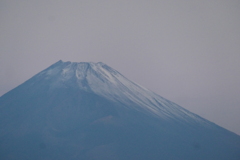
x=75, y=74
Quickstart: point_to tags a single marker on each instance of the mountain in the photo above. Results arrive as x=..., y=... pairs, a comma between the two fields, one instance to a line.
x=89, y=111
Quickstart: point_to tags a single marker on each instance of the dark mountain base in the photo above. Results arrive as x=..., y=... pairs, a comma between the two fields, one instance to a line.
x=77, y=125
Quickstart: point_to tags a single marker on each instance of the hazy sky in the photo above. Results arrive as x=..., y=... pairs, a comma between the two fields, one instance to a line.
x=187, y=51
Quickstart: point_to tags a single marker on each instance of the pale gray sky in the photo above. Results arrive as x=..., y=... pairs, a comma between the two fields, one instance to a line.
x=187, y=51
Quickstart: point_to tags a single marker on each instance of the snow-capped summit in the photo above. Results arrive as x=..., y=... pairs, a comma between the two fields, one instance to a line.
x=106, y=82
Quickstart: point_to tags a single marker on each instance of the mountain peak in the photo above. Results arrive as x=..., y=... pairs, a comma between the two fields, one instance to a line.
x=68, y=69
x=81, y=75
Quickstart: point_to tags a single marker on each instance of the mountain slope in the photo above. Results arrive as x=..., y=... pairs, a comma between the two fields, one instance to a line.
x=90, y=111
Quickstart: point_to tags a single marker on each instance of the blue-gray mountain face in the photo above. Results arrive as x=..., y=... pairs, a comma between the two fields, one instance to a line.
x=89, y=111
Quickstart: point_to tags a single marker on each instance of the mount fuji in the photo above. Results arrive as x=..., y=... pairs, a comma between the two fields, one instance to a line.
x=89, y=111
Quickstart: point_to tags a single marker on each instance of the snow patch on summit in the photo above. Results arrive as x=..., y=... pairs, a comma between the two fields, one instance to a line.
x=81, y=71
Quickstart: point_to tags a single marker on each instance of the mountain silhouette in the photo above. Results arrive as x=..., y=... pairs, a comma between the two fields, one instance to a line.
x=89, y=111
